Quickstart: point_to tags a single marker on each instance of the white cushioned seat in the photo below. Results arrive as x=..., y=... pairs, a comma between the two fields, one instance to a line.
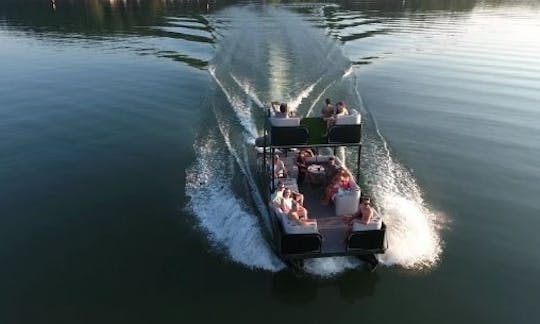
x=285, y=122
x=353, y=118
x=322, y=159
x=374, y=224
x=292, y=227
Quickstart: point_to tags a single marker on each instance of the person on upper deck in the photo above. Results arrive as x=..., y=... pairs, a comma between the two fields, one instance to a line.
x=283, y=111
x=341, y=109
x=280, y=110
x=327, y=110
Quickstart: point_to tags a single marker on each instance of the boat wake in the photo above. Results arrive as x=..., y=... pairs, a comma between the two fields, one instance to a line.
x=223, y=192
x=228, y=221
x=413, y=228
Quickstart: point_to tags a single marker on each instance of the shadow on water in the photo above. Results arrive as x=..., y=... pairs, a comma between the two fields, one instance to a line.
x=352, y=286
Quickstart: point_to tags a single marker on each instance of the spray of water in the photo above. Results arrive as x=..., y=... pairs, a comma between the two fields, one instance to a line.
x=241, y=108
x=246, y=86
x=228, y=222
x=413, y=229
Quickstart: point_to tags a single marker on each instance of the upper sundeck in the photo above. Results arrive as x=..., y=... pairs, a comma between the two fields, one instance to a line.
x=311, y=131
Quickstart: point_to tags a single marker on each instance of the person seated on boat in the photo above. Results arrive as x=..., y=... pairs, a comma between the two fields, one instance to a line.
x=289, y=204
x=331, y=170
x=277, y=196
x=275, y=107
x=299, y=214
x=280, y=171
x=364, y=214
x=341, y=109
x=341, y=181
x=327, y=113
x=283, y=111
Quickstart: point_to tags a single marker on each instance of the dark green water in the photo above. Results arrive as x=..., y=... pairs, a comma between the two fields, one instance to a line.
x=126, y=185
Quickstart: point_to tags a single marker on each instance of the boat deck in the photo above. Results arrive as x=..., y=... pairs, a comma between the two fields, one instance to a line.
x=332, y=227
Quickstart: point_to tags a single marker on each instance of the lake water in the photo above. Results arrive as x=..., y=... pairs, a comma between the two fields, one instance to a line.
x=127, y=192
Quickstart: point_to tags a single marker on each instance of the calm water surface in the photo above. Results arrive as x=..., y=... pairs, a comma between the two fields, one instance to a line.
x=126, y=185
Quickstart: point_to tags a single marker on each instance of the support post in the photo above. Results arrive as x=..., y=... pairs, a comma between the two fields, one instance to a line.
x=358, y=162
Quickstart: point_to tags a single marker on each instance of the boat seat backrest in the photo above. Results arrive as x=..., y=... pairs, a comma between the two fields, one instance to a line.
x=292, y=227
x=346, y=201
x=374, y=224
x=353, y=118
x=321, y=159
x=285, y=122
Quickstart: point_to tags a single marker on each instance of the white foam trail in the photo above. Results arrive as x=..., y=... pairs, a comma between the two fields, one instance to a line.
x=294, y=103
x=329, y=267
x=413, y=229
x=348, y=72
x=249, y=90
x=319, y=98
x=244, y=167
x=222, y=215
x=242, y=111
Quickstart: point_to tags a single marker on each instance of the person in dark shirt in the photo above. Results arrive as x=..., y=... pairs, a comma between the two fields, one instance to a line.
x=331, y=170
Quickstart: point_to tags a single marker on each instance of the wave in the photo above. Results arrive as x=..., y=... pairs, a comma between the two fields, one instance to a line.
x=296, y=101
x=227, y=220
x=249, y=90
x=413, y=229
x=241, y=109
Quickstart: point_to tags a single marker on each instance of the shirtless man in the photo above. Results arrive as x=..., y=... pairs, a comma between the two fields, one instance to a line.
x=327, y=110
